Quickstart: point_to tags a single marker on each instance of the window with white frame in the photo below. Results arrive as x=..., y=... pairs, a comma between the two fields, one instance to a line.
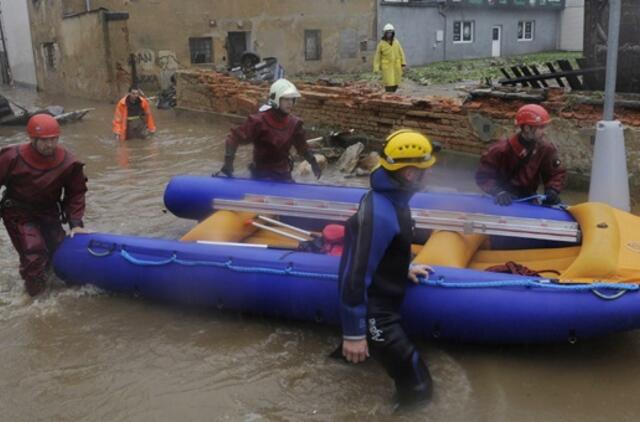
x=526, y=30
x=463, y=31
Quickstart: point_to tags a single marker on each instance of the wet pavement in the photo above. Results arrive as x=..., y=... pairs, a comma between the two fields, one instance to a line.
x=82, y=354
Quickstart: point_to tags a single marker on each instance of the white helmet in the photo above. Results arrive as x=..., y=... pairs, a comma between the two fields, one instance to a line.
x=388, y=27
x=282, y=88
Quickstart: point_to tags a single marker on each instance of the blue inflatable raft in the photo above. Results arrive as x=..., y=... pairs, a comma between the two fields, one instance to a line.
x=459, y=302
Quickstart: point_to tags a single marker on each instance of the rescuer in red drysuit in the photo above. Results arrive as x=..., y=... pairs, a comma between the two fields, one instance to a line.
x=272, y=131
x=513, y=168
x=45, y=186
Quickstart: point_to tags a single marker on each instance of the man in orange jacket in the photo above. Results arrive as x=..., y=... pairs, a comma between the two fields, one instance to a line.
x=45, y=186
x=133, y=118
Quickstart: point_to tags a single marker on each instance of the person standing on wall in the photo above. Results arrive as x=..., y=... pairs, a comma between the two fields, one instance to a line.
x=272, y=131
x=133, y=118
x=45, y=187
x=389, y=59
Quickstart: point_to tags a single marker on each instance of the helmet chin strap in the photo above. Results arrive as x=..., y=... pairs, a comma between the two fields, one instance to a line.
x=405, y=184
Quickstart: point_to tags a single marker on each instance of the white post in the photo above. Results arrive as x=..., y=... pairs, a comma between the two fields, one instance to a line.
x=609, y=177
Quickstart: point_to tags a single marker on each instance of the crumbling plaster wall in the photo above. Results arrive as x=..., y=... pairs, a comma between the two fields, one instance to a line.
x=469, y=127
x=81, y=55
x=276, y=29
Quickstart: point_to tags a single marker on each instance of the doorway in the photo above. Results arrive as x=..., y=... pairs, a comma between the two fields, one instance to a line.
x=236, y=45
x=496, y=38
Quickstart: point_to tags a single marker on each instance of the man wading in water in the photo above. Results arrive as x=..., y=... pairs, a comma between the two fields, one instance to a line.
x=45, y=187
x=133, y=118
x=375, y=267
x=272, y=131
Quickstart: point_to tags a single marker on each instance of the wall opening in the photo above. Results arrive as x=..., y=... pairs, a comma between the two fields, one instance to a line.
x=201, y=50
x=312, y=44
x=236, y=45
x=50, y=56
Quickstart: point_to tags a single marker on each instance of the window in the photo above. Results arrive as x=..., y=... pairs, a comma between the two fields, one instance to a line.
x=462, y=31
x=201, y=50
x=312, y=45
x=49, y=50
x=526, y=30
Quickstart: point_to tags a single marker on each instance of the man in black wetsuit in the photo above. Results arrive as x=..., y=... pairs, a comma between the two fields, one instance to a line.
x=375, y=267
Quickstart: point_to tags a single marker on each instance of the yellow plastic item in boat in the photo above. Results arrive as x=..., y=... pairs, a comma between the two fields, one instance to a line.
x=610, y=246
x=610, y=249
x=449, y=249
x=222, y=226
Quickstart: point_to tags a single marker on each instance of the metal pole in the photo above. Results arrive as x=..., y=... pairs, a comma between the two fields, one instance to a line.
x=612, y=59
x=88, y=5
x=609, y=177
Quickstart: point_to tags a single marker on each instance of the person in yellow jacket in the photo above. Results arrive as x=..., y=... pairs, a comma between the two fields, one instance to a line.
x=389, y=59
x=133, y=118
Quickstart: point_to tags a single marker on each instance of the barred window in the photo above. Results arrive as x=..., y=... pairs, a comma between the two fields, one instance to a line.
x=201, y=50
x=312, y=44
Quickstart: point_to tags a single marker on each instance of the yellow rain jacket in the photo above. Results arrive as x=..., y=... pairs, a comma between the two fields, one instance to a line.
x=389, y=59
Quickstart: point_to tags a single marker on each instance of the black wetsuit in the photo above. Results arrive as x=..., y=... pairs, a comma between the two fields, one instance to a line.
x=373, y=279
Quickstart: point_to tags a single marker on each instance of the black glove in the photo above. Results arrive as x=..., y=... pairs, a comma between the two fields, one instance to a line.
x=503, y=198
x=552, y=197
x=229, y=157
x=315, y=167
x=227, y=169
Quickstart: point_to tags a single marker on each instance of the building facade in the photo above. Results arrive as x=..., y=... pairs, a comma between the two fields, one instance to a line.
x=16, y=54
x=305, y=36
x=436, y=30
x=572, y=26
x=83, y=54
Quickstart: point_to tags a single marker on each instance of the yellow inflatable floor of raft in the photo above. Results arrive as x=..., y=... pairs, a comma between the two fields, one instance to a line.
x=610, y=249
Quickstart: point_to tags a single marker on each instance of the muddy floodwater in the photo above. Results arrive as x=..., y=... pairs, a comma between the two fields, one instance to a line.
x=82, y=354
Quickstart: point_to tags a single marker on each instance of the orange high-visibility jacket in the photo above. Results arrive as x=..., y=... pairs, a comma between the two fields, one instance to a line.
x=121, y=114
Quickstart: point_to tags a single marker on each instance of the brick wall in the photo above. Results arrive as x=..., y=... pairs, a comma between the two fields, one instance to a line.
x=467, y=127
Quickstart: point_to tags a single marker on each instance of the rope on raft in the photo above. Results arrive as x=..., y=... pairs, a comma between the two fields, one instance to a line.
x=621, y=288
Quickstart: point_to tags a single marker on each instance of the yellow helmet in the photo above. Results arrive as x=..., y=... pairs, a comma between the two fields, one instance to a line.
x=407, y=148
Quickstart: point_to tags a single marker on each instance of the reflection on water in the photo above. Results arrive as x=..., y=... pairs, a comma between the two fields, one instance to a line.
x=78, y=354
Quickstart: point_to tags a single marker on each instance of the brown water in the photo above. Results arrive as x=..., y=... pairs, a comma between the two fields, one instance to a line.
x=81, y=354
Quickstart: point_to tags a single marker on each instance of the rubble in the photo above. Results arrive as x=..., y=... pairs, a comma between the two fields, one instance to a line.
x=350, y=158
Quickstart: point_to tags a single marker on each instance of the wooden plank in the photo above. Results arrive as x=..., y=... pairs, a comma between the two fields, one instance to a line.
x=557, y=74
x=536, y=72
x=516, y=72
x=506, y=74
x=525, y=71
x=573, y=80
x=553, y=70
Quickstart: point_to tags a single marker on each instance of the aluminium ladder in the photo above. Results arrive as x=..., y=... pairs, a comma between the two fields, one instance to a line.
x=457, y=221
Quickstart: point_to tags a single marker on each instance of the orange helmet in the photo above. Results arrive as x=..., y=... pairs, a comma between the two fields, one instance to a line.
x=43, y=126
x=532, y=115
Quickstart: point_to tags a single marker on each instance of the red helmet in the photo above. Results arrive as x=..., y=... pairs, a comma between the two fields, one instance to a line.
x=43, y=126
x=532, y=115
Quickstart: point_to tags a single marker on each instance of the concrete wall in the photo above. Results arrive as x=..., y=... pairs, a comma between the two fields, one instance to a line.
x=160, y=31
x=416, y=27
x=83, y=55
x=572, y=26
x=15, y=21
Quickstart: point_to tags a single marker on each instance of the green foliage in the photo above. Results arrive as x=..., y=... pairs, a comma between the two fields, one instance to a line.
x=481, y=69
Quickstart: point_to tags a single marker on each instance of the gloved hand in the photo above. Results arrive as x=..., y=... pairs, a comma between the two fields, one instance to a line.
x=503, y=198
x=315, y=167
x=553, y=197
x=317, y=171
x=227, y=169
x=229, y=157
